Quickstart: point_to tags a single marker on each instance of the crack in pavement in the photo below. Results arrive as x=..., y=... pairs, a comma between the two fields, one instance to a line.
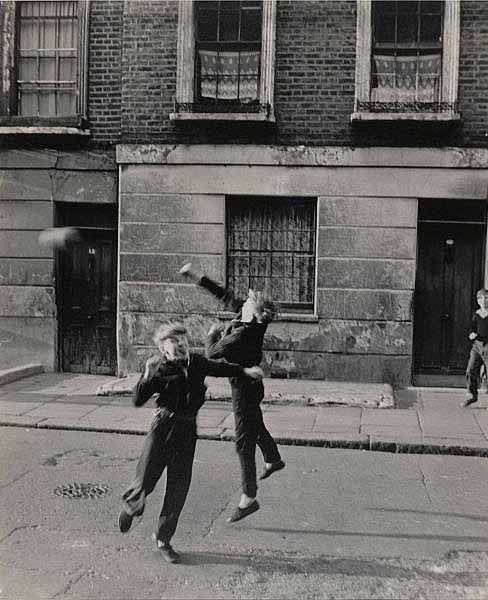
x=9, y=483
x=424, y=482
x=19, y=528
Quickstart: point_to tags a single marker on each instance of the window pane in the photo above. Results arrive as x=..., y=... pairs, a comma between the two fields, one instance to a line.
x=430, y=29
x=28, y=104
x=229, y=21
x=28, y=69
x=207, y=24
x=384, y=26
x=251, y=23
x=407, y=26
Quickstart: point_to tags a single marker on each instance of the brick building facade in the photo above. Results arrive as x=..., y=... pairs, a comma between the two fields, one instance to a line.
x=369, y=180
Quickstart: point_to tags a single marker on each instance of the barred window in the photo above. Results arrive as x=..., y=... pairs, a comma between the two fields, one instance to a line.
x=271, y=247
x=407, y=51
x=228, y=50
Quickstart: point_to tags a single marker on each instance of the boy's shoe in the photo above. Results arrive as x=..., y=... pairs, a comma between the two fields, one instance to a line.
x=277, y=466
x=241, y=513
x=167, y=550
x=125, y=521
x=470, y=399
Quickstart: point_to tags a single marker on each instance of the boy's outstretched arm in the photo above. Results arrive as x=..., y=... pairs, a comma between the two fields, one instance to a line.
x=217, y=368
x=227, y=297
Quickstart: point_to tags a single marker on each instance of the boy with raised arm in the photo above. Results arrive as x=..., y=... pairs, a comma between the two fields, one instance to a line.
x=242, y=342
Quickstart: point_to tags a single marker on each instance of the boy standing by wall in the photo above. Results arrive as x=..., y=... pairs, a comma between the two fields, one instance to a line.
x=479, y=350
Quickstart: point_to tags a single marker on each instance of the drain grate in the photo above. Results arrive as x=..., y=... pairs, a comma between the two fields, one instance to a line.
x=82, y=490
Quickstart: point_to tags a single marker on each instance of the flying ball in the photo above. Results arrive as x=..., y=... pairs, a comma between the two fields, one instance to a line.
x=59, y=237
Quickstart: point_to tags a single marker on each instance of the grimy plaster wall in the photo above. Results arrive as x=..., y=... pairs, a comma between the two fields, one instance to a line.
x=172, y=204
x=31, y=181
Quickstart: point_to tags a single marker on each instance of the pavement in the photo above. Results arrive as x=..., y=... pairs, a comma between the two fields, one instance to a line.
x=297, y=412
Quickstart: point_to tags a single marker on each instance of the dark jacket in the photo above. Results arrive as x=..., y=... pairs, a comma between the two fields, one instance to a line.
x=241, y=343
x=180, y=393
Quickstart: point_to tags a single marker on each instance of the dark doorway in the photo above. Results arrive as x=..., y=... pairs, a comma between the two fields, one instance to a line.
x=449, y=272
x=87, y=291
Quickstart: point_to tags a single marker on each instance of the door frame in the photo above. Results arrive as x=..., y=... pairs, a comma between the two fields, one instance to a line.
x=483, y=268
x=62, y=218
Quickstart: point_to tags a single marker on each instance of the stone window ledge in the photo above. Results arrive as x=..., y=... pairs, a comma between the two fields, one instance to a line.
x=191, y=116
x=404, y=116
x=44, y=131
x=283, y=316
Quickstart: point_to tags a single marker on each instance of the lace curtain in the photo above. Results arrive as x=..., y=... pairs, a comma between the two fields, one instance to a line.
x=229, y=75
x=406, y=78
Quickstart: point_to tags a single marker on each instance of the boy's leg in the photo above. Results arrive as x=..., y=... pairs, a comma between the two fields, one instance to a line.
x=245, y=415
x=179, y=473
x=472, y=373
x=269, y=449
x=149, y=469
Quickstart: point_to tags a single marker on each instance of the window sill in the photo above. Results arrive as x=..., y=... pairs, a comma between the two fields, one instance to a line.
x=291, y=317
x=193, y=116
x=405, y=116
x=44, y=131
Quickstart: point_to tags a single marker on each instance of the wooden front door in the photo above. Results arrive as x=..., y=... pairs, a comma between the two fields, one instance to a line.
x=449, y=272
x=88, y=307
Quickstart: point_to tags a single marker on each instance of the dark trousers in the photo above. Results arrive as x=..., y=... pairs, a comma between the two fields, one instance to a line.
x=168, y=445
x=477, y=357
x=251, y=430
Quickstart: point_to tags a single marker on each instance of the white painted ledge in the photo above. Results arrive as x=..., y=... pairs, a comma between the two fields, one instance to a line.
x=191, y=116
x=405, y=116
x=44, y=131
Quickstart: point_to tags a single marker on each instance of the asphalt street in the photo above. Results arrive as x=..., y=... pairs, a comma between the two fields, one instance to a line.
x=334, y=524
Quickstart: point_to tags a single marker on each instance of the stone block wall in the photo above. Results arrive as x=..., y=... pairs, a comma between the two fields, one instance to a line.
x=172, y=210
x=31, y=181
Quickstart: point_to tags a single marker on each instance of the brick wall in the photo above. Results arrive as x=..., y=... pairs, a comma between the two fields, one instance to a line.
x=314, y=81
x=104, y=80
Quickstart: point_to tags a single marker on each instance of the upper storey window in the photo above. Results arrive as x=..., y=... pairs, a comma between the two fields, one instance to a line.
x=225, y=60
x=228, y=51
x=44, y=58
x=407, y=59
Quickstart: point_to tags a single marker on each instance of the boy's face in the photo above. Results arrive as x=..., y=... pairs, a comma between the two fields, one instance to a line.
x=483, y=301
x=175, y=348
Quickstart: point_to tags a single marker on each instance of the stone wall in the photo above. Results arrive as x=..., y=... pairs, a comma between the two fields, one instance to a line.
x=30, y=183
x=172, y=211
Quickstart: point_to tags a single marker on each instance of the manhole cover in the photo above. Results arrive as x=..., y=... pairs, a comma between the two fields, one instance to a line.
x=82, y=490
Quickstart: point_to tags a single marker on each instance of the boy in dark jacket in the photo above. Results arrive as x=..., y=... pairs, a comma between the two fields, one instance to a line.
x=177, y=376
x=242, y=342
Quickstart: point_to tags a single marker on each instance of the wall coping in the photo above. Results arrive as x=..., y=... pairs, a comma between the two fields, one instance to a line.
x=294, y=156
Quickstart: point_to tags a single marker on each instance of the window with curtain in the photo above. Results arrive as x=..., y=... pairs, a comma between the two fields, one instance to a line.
x=228, y=51
x=271, y=247
x=47, y=58
x=406, y=51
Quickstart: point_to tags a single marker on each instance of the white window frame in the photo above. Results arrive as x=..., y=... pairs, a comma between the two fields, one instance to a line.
x=450, y=67
x=185, y=70
x=10, y=121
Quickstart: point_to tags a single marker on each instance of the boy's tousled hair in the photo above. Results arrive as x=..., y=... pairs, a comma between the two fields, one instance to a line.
x=168, y=330
x=266, y=305
x=481, y=292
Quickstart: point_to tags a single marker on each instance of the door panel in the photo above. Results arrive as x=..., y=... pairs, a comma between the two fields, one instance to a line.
x=448, y=276
x=89, y=304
